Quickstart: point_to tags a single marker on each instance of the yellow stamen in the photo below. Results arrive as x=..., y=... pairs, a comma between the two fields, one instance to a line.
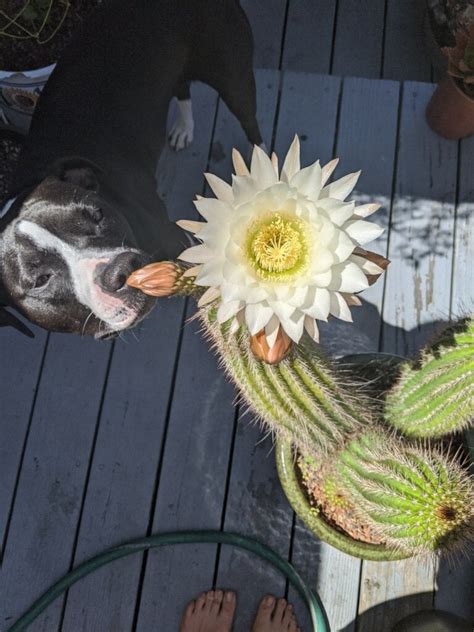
x=277, y=246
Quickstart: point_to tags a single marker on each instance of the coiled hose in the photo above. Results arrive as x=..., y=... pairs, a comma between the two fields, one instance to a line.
x=315, y=607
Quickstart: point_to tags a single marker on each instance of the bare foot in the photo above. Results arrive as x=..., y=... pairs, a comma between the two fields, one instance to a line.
x=210, y=612
x=275, y=616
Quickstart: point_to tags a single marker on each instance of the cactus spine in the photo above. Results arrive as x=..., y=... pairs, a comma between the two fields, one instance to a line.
x=436, y=396
x=298, y=398
x=417, y=499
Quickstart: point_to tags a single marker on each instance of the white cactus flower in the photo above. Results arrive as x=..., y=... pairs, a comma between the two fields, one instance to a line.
x=282, y=249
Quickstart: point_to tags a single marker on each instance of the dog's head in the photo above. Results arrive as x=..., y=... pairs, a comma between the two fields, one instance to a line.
x=66, y=255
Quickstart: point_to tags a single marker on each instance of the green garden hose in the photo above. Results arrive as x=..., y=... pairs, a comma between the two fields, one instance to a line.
x=316, y=609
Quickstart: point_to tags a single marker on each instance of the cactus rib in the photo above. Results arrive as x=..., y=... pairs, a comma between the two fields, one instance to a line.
x=436, y=396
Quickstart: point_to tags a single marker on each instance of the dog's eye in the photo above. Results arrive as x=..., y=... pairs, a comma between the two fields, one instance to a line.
x=41, y=281
x=96, y=215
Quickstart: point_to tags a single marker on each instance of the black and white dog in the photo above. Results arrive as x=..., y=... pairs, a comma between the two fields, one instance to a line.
x=85, y=212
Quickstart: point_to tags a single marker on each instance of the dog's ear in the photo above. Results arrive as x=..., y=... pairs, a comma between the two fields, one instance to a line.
x=78, y=171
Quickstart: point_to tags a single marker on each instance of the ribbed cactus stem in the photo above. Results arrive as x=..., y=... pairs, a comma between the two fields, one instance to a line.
x=435, y=396
x=416, y=498
x=299, y=398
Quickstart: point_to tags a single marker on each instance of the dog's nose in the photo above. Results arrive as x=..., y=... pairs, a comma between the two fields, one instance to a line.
x=115, y=273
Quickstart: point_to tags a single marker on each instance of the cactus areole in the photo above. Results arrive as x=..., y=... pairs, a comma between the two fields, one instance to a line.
x=279, y=250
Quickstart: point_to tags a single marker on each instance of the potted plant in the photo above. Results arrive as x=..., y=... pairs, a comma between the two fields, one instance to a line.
x=279, y=250
x=33, y=33
x=450, y=111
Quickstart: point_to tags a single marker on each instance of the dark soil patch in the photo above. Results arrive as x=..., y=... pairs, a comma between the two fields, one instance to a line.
x=10, y=147
x=64, y=19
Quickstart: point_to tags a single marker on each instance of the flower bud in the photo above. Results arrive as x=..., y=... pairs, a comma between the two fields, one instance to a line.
x=157, y=279
x=261, y=350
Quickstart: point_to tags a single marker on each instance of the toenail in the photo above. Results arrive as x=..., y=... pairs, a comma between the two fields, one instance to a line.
x=229, y=596
x=269, y=601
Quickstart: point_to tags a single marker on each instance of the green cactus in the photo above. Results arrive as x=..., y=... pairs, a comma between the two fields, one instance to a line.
x=435, y=396
x=417, y=499
x=299, y=398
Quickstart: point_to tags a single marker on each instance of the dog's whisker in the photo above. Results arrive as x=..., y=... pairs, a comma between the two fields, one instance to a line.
x=85, y=322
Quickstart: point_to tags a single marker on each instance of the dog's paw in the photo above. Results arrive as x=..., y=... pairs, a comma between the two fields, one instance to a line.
x=182, y=132
x=181, y=135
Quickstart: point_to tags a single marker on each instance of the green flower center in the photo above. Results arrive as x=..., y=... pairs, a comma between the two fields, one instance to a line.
x=277, y=247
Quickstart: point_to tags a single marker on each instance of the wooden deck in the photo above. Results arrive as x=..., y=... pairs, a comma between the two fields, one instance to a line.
x=102, y=442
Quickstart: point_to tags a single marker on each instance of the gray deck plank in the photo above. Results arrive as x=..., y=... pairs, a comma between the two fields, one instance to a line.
x=463, y=270
x=315, y=116
x=47, y=503
x=228, y=134
x=256, y=507
x=418, y=282
x=192, y=482
x=20, y=366
x=366, y=140
x=359, y=38
x=121, y=488
x=405, y=55
x=455, y=579
x=125, y=460
x=236, y=569
x=417, y=291
x=308, y=36
x=267, y=19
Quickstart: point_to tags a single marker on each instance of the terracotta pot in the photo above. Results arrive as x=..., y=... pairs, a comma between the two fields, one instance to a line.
x=297, y=497
x=450, y=112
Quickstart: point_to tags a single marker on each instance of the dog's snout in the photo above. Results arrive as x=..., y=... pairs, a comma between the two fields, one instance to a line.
x=115, y=273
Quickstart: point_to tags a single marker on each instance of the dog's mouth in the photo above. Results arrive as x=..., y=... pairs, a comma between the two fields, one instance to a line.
x=125, y=318
x=101, y=284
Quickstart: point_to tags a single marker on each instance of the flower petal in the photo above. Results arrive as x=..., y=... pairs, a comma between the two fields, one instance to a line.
x=244, y=189
x=292, y=161
x=234, y=326
x=293, y=326
x=308, y=181
x=257, y=316
x=352, y=299
x=339, y=307
x=341, y=188
x=192, y=272
x=190, y=226
x=240, y=167
x=220, y=188
x=271, y=330
x=212, y=209
x=275, y=166
x=364, y=210
x=228, y=310
x=362, y=232
x=311, y=328
x=317, y=303
x=369, y=267
x=197, y=254
x=210, y=273
x=327, y=170
x=209, y=295
x=261, y=168
x=348, y=277
x=338, y=212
